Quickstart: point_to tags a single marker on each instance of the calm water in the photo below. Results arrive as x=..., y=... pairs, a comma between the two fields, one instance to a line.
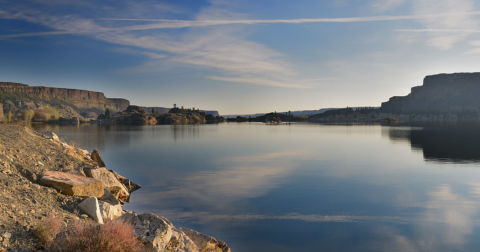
x=303, y=187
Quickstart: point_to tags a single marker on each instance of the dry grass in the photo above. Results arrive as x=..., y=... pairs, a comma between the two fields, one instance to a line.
x=47, y=229
x=113, y=236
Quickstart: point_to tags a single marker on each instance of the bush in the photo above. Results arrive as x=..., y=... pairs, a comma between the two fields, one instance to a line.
x=39, y=116
x=52, y=112
x=47, y=229
x=113, y=236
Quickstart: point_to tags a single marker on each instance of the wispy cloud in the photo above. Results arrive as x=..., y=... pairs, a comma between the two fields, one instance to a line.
x=385, y=5
x=257, y=81
x=461, y=19
x=438, y=30
x=216, y=39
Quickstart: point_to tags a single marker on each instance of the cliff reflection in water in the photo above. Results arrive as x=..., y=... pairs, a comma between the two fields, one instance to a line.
x=442, y=143
x=89, y=136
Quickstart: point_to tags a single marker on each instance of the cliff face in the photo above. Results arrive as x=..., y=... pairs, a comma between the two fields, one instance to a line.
x=76, y=97
x=444, y=93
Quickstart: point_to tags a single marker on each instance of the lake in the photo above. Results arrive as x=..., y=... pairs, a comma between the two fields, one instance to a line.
x=302, y=187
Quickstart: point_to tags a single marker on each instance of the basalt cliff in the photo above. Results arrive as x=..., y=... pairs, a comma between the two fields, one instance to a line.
x=455, y=93
x=17, y=97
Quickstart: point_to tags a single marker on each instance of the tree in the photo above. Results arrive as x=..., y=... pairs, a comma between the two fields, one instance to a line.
x=28, y=115
x=153, y=111
x=174, y=105
x=107, y=113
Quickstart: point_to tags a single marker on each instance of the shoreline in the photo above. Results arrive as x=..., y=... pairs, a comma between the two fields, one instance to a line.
x=29, y=158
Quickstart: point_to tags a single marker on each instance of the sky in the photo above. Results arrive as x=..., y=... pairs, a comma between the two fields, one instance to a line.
x=238, y=56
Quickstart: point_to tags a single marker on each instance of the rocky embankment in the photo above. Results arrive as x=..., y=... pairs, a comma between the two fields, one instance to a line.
x=41, y=175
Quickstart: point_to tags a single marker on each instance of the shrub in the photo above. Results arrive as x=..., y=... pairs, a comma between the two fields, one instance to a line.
x=52, y=112
x=113, y=236
x=47, y=229
x=39, y=116
x=27, y=115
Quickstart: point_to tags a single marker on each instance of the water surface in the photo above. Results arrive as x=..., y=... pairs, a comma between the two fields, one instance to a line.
x=302, y=187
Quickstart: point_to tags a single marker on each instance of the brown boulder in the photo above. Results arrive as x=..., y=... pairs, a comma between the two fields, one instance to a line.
x=95, y=156
x=71, y=184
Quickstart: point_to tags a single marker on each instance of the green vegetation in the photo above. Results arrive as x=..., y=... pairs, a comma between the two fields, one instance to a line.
x=27, y=115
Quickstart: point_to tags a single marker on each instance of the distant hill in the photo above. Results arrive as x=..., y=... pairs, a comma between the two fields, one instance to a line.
x=441, y=93
x=162, y=110
x=295, y=113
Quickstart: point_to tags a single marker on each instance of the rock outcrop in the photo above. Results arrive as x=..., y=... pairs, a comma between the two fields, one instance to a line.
x=442, y=93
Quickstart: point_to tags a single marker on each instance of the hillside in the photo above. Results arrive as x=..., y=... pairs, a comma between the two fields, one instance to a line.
x=442, y=93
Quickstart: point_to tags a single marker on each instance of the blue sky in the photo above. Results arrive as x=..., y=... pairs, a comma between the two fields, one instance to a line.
x=238, y=56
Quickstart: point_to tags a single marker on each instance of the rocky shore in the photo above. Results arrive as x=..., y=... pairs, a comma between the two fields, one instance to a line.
x=42, y=176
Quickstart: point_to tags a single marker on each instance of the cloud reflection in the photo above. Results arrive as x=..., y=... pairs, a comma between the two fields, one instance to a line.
x=446, y=225
x=239, y=177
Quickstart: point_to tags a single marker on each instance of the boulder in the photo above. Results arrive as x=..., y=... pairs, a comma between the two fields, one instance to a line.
x=158, y=234
x=51, y=135
x=109, y=211
x=71, y=184
x=130, y=185
x=181, y=243
x=110, y=181
x=91, y=207
x=109, y=198
x=95, y=156
x=204, y=242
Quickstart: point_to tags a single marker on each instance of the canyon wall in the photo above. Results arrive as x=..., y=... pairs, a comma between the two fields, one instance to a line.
x=76, y=97
x=441, y=93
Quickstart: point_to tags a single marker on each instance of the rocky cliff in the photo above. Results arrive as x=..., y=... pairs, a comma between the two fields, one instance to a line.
x=442, y=93
x=76, y=97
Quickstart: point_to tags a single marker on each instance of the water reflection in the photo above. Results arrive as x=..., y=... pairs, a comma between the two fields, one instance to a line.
x=303, y=187
x=90, y=136
x=441, y=143
x=446, y=224
x=236, y=178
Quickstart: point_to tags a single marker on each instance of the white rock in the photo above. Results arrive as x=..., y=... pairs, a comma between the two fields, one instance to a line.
x=51, y=135
x=109, y=211
x=205, y=242
x=154, y=231
x=181, y=243
x=91, y=208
